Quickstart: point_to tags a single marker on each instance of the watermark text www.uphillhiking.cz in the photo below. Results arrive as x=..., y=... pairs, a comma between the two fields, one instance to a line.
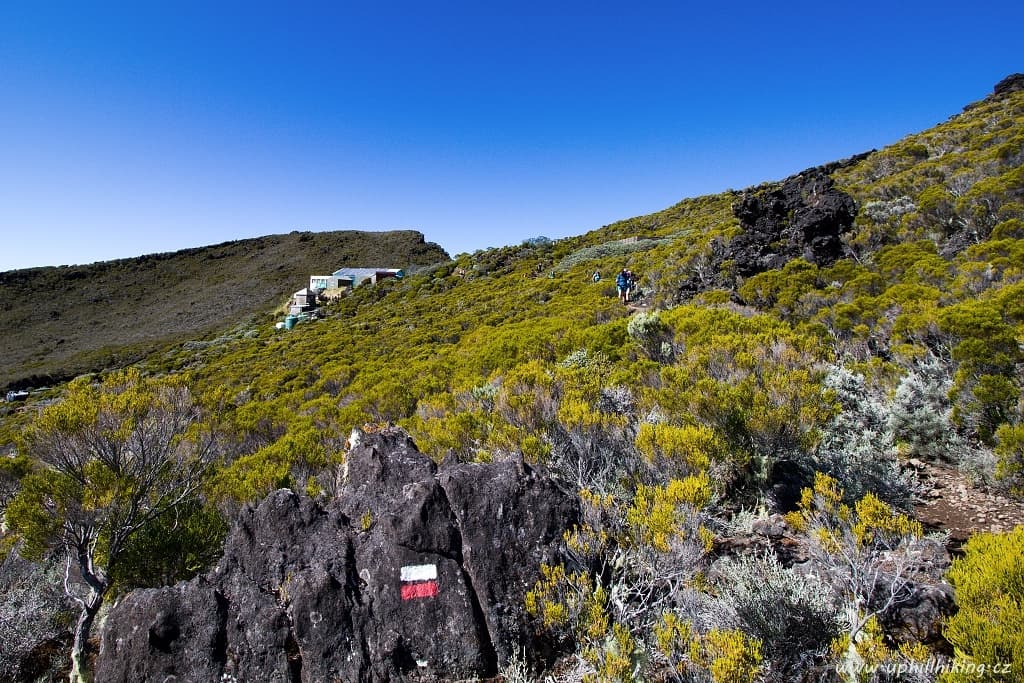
x=932, y=665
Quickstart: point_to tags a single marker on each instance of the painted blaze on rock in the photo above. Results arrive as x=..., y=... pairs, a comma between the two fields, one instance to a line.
x=434, y=588
x=419, y=581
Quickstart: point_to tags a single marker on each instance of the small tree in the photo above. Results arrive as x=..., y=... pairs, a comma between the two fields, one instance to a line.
x=112, y=458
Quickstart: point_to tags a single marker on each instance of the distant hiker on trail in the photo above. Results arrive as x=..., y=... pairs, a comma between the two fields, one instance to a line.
x=634, y=285
x=597, y=276
x=622, y=284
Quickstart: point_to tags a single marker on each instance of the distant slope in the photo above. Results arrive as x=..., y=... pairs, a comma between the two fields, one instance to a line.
x=61, y=321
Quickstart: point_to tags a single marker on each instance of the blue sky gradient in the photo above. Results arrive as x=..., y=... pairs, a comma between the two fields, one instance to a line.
x=127, y=129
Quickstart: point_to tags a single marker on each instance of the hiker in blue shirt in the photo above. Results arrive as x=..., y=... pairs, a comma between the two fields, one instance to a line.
x=622, y=284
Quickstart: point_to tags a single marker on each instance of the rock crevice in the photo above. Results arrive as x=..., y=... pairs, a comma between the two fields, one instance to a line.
x=483, y=627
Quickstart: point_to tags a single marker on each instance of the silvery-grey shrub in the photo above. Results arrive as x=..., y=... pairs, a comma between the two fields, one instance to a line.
x=32, y=604
x=920, y=422
x=794, y=616
x=857, y=446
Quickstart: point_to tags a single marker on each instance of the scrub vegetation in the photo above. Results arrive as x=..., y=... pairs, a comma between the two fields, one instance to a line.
x=802, y=391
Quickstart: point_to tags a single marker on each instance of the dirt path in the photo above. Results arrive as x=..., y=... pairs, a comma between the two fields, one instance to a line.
x=953, y=504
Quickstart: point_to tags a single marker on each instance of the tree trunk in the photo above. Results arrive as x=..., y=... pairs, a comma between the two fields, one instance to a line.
x=80, y=647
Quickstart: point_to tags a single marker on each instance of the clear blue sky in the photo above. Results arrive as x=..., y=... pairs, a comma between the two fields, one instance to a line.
x=132, y=128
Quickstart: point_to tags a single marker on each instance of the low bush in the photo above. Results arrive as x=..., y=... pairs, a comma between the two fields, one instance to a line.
x=988, y=631
x=35, y=618
x=857, y=446
x=608, y=250
x=793, y=616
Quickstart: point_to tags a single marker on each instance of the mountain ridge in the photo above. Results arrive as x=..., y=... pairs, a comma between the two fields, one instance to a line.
x=61, y=321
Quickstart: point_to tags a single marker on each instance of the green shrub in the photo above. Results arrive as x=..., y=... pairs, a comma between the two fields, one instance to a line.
x=1010, y=457
x=171, y=548
x=989, y=628
x=723, y=656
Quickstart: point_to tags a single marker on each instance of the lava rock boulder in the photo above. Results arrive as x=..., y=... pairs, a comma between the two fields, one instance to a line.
x=413, y=571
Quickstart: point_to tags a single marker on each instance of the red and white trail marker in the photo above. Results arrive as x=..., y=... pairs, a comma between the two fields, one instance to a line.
x=419, y=581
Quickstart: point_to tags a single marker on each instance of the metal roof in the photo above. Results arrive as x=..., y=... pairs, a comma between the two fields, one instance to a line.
x=362, y=272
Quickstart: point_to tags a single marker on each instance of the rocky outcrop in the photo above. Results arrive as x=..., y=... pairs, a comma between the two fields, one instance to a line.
x=803, y=216
x=413, y=571
x=1011, y=84
x=921, y=617
x=531, y=514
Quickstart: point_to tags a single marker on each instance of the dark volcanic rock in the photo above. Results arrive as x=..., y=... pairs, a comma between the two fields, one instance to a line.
x=306, y=592
x=921, y=617
x=531, y=514
x=410, y=523
x=804, y=216
x=1011, y=84
x=786, y=481
x=183, y=632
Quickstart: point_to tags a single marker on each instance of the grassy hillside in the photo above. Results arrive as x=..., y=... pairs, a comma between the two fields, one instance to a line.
x=760, y=405
x=928, y=292
x=61, y=321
